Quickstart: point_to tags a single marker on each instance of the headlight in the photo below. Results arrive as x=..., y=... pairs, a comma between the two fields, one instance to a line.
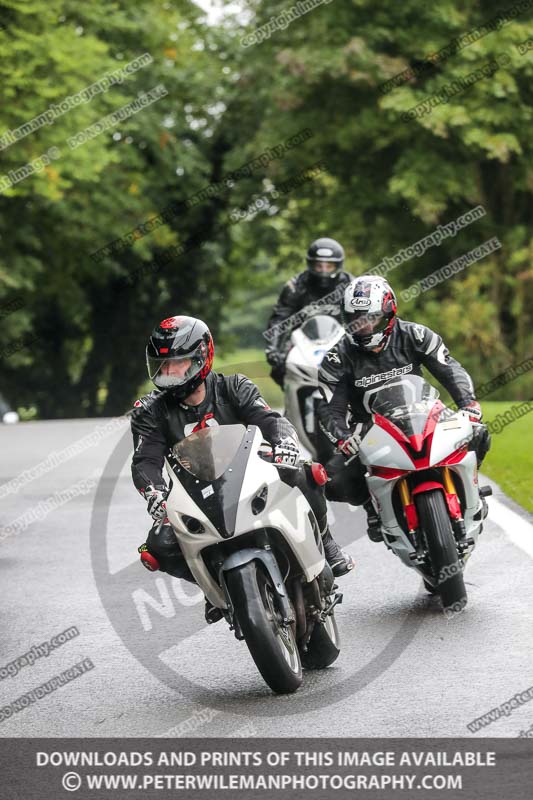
x=259, y=501
x=192, y=524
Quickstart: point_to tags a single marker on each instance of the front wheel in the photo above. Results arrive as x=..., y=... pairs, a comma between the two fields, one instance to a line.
x=445, y=562
x=271, y=644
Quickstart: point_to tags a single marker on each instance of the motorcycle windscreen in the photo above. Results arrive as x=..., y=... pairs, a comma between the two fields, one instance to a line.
x=320, y=329
x=407, y=402
x=208, y=453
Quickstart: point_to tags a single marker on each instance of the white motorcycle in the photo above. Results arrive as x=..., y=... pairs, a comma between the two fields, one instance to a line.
x=423, y=481
x=309, y=344
x=253, y=545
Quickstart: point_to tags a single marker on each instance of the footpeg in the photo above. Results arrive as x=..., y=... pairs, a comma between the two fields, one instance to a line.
x=485, y=491
x=465, y=544
x=329, y=609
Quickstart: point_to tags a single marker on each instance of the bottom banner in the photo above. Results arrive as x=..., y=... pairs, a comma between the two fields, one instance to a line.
x=52, y=769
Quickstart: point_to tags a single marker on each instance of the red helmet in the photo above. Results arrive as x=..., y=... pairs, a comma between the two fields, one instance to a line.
x=179, y=355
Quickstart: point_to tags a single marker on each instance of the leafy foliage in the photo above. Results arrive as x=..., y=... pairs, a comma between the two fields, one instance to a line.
x=389, y=181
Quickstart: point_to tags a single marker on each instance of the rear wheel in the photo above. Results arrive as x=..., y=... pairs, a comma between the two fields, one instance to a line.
x=271, y=644
x=442, y=549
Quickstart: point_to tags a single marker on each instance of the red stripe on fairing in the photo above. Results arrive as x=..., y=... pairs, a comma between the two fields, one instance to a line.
x=391, y=428
x=398, y=435
x=388, y=472
x=454, y=458
x=417, y=441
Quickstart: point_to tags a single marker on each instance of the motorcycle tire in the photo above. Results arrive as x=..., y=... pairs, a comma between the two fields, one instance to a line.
x=435, y=522
x=272, y=646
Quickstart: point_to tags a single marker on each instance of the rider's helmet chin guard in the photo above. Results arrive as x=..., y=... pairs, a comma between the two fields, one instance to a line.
x=369, y=312
x=321, y=253
x=179, y=355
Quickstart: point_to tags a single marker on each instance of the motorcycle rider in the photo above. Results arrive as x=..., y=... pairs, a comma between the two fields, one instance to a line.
x=379, y=346
x=324, y=280
x=190, y=397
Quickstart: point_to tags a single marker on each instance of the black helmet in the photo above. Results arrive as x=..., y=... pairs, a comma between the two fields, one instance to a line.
x=369, y=311
x=174, y=342
x=321, y=253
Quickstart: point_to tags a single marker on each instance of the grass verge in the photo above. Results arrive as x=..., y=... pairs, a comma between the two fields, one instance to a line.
x=510, y=459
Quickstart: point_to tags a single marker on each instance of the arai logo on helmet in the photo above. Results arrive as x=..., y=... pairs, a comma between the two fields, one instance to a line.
x=360, y=302
x=324, y=251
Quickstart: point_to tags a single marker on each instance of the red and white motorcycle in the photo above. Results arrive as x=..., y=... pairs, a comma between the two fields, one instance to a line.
x=423, y=481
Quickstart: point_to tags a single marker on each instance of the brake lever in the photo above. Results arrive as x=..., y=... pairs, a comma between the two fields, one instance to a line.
x=349, y=460
x=163, y=521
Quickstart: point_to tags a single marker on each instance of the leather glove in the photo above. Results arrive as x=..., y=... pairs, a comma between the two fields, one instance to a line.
x=474, y=411
x=157, y=507
x=286, y=452
x=276, y=359
x=350, y=446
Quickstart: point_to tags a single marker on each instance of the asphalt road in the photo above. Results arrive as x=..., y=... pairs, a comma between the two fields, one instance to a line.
x=404, y=669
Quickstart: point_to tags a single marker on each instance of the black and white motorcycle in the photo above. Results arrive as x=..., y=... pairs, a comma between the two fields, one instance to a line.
x=423, y=480
x=253, y=545
x=308, y=345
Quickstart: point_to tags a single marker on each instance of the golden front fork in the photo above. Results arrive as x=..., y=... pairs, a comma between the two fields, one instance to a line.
x=405, y=497
x=405, y=494
x=448, y=482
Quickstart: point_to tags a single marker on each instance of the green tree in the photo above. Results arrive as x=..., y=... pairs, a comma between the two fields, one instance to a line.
x=392, y=180
x=92, y=321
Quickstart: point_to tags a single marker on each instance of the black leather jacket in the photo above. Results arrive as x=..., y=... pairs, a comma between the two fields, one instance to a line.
x=347, y=374
x=299, y=292
x=159, y=421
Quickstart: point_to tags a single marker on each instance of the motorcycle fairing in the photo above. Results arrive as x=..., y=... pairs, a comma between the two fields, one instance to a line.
x=391, y=455
x=286, y=510
x=219, y=498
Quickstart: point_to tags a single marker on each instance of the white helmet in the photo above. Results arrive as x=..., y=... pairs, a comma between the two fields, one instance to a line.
x=369, y=311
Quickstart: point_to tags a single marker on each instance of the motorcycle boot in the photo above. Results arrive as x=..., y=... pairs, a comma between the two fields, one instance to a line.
x=212, y=613
x=340, y=562
x=373, y=522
